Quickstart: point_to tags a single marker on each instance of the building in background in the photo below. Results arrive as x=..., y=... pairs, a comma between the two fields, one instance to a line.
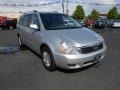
x=103, y=16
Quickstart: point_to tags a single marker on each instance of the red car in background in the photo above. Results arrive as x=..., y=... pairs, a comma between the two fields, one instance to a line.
x=90, y=22
x=2, y=22
x=7, y=23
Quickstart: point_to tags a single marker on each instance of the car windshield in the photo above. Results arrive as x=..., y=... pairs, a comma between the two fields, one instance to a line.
x=58, y=21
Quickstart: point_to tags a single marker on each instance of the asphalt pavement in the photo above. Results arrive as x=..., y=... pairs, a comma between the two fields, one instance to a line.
x=23, y=69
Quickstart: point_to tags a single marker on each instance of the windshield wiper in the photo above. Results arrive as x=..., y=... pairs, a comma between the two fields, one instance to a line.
x=74, y=27
x=58, y=28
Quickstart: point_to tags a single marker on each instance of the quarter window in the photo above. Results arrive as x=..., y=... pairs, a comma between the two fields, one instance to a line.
x=26, y=20
x=35, y=20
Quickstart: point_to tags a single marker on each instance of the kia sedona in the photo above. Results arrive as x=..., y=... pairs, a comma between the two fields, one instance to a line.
x=60, y=40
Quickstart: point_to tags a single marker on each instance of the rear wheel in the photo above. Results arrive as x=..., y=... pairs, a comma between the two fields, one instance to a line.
x=48, y=60
x=20, y=43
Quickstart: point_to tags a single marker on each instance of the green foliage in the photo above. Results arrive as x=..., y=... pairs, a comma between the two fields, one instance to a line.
x=89, y=16
x=79, y=13
x=94, y=14
x=113, y=13
x=119, y=16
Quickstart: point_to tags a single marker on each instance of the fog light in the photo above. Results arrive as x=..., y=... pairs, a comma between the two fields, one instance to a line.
x=71, y=65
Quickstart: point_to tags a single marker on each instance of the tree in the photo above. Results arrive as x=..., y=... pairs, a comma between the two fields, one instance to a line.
x=79, y=13
x=119, y=16
x=89, y=17
x=113, y=13
x=94, y=14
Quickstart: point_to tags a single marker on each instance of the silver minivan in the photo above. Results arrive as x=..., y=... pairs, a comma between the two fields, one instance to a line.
x=60, y=40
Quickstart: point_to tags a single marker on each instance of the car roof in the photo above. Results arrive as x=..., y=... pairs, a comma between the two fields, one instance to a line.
x=34, y=11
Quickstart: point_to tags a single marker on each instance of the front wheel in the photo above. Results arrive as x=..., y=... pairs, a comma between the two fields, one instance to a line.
x=48, y=60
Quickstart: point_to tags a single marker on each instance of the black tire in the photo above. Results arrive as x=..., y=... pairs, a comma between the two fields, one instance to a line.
x=7, y=27
x=3, y=28
x=52, y=66
x=14, y=27
x=20, y=43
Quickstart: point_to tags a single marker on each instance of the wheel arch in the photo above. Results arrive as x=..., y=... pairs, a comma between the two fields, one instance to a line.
x=48, y=46
x=42, y=46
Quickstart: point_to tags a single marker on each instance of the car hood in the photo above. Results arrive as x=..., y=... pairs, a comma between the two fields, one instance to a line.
x=81, y=36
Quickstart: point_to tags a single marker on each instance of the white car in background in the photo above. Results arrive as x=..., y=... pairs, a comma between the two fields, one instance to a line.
x=113, y=23
x=116, y=23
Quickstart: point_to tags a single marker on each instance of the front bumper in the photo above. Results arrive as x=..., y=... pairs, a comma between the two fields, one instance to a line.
x=78, y=61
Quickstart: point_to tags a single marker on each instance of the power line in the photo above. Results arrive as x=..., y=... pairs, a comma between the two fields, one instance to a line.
x=63, y=4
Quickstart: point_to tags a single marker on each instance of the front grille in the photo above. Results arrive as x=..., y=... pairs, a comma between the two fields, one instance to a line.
x=93, y=48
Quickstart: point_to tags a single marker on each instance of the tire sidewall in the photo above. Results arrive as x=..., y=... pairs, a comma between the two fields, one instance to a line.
x=19, y=40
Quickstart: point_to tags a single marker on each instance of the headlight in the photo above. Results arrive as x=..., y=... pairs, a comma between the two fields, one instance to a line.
x=66, y=48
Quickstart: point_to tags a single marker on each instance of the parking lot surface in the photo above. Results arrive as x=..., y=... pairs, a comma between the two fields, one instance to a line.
x=23, y=69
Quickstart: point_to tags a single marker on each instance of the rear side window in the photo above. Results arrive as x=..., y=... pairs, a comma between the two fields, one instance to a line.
x=25, y=20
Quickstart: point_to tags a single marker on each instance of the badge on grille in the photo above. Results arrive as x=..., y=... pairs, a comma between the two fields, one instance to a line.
x=95, y=48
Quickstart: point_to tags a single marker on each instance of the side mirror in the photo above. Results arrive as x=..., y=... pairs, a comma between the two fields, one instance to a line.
x=34, y=26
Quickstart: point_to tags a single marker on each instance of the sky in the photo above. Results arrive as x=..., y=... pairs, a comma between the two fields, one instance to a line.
x=56, y=7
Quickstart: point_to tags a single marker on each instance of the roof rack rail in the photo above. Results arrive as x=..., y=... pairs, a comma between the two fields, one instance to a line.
x=30, y=11
x=35, y=11
x=56, y=11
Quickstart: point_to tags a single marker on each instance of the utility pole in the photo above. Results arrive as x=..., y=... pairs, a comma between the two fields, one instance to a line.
x=63, y=6
x=67, y=10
